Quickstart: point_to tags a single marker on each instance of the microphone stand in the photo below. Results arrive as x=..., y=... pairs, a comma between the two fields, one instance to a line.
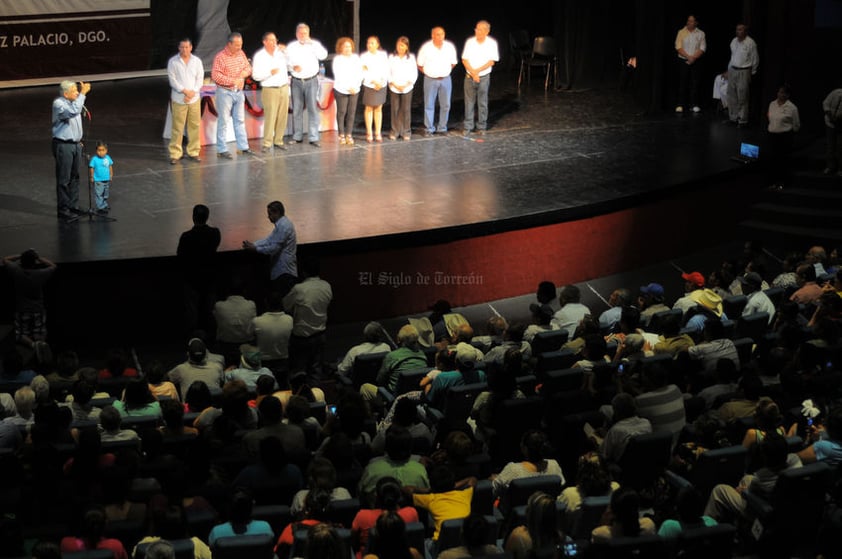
x=91, y=212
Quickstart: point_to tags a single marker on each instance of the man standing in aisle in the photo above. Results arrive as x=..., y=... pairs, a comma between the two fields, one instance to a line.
x=741, y=67
x=436, y=59
x=230, y=70
x=303, y=56
x=270, y=69
x=281, y=247
x=478, y=57
x=185, y=73
x=690, y=45
x=67, y=145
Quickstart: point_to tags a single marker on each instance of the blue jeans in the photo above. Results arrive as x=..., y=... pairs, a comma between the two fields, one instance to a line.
x=476, y=94
x=101, y=189
x=230, y=104
x=305, y=92
x=436, y=88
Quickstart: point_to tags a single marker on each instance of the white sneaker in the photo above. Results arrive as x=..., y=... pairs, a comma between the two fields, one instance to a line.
x=696, y=109
x=679, y=109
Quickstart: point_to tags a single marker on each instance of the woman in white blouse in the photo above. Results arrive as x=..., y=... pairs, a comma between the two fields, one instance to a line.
x=347, y=77
x=403, y=72
x=375, y=78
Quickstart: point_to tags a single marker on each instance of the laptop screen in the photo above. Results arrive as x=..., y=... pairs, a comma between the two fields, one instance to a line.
x=749, y=150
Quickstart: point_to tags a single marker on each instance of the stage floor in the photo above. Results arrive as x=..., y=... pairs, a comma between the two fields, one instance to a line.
x=547, y=157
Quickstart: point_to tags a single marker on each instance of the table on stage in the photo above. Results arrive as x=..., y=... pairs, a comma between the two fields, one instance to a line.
x=254, y=116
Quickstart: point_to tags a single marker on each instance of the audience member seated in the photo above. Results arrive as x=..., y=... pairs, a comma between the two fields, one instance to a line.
x=466, y=373
x=768, y=419
x=407, y=357
x=758, y=301
x=389, y=498
x=455, y=453
x=323, y=542
x=221, y=426
x=826, y=441
x=661, y=403
x=172, y=413
x=315, y=511
x=116, y=483
x=542, y=315
x=623, y=518
x=91, y=536
x=375, y=342
x=689, y=507
x=708, y=307
x=116, y=365
x=321, y=475
x=534, y=448
x=138, y=401
x=751, y=388
x=271, y=420
x=541, y=532
x=693, y=281
x=571, y=312
x=198, y=398
x=240, y=522
x=297, y=413
x=672, y=341
x=397, y=464
x=496, y=328
x=197, y=367
x=406, y=415
x=24, y=406
x=170, y=524
x=340, y=452
x=808, y=290
x=474, y=537
x=10, y=436
x=512, y=339
x=650, y=301
x=714, y=347
x=272, y=469
x=610, y=319
x=249, y=369
x=159, y=386
x=351, y=416
x=724, y=382
x=592, y=480
x=502, y=386
x=588, y=326
x=81, y=407
x=110, y=421
x=627, y=424
x=445, y=498
x=14, y=370
x=67, y=363
x=727, y=504
x=630, y=324
x=391, y=539
x=52, y=425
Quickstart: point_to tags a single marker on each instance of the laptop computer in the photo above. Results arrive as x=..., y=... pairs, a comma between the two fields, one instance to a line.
x=749, y=153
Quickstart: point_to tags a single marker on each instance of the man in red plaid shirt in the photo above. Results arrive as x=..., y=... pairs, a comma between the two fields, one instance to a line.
x=230, y=70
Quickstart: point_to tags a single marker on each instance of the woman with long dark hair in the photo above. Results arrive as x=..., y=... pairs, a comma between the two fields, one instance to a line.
x=624, y=520
x=240, y=522
x=391, y=539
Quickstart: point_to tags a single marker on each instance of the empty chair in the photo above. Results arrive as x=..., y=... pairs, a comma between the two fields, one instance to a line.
x=722, y=465
x=451, y=533
x=483, y=500
x=562, y=380
x=519, y=44
x=343, y=511
x=527, y=384
x=522, y=488
x=580, y=523
x=512, y=419
x=753, y=326
x=776, y=295
x=544, y=56
x=554, y=360
x=708, y=542
x=458, y=402
x=733, y=306
x=551, y=340
x=237, y=547
x=644, y=459
x=366, y=367
x=744, y=347
x=183, y=549
x=650, y=547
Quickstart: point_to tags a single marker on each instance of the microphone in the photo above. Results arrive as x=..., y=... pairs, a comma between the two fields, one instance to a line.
x=86, y=112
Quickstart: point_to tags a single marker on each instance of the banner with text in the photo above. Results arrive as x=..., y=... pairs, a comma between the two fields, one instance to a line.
x=42, y=39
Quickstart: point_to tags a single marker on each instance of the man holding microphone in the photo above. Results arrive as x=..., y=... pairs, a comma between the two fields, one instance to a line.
x=67, y=145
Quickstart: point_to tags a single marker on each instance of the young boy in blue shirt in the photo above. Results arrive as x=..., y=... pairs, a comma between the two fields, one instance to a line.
x=102, y=171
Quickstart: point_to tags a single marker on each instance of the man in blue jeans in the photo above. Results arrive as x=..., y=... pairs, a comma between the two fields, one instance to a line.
x=230, y=70
x=436, y=59
x=303, y=56
x=478, y=56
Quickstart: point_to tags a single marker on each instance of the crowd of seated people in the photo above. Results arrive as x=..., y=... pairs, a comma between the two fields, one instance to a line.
x=221, y=446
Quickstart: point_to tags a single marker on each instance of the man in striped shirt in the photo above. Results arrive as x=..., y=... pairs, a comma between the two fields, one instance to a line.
x=229, y=73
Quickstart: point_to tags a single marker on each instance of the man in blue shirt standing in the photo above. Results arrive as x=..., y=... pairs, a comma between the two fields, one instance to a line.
x=281, y=247
x=67, y=147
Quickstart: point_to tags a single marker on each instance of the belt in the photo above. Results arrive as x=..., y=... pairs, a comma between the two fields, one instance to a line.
x=305, y=79
x=745, y=68
x=60, y=141
x=234, y=89
x=432, y=78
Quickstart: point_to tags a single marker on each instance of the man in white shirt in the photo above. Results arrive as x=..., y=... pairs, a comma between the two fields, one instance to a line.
x=308, y=302
x=572, y=311
x=690, y=45
x=375, y=342
x=303, y=56
x=741, y=67
x=757, y=300
x=185, y=73
x=269, y=67
x=478, y=56
x=436, y=59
